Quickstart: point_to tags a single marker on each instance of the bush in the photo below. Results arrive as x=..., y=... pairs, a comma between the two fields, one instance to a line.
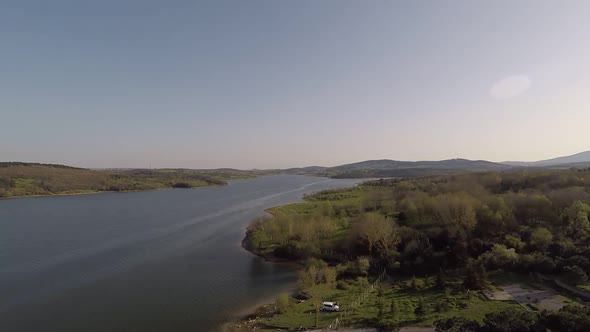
x=508, y=321
x=387, y=324
x=296, y=250
x=282, y=302
x=456, y=324
x=342, y=285
x=416, y=284
x=575, y=275
x=181, y=185
x=420, y=310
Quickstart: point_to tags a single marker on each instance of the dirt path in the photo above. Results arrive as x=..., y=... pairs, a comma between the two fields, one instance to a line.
x=544, y=298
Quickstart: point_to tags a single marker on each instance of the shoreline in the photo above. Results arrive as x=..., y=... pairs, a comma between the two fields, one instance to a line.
x=249, y=317
x=102, y=192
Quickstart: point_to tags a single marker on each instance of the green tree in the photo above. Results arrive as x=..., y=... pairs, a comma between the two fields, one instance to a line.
x=362, y=266
x=571, y=318
x=415, y=284
x=500, y=256
x=420, y=310
x=511, y=321
x=316, y=281
x=515, y=242
x=475, y=275
x=576, y=217
x=541, y=238
x=376, y=232
x=282, y=302
x=456, y=324
x=575, y=275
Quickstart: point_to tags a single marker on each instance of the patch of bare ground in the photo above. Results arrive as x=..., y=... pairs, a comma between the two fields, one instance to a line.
x=543, y=298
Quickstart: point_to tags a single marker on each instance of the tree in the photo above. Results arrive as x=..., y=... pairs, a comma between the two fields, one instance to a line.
x=415, y=284
x=500, y=256
x=377, y=232
x=256, y=234
x=456, y=324
x=515, y=242
x=440, y=281
x=576, y=217
x=575, y=275
x=541, y=238
x=510, y=321
x=380, y=305
x=467, y=217
x=475, y=275
x=420, y=310
x=571, y=318
x=282, y=302
x=362, y=266
x=316, y=281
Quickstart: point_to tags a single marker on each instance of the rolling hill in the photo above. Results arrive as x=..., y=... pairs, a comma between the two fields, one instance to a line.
x=396, y=168
x=24, y=179
x=19, y=179
x=578, y=158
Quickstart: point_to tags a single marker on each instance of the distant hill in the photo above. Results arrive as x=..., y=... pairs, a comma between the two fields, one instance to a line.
x=19, y=179
x=449, y=164
x=304, y=170
x=578, y=158
x=22, y=179
x=18, y=163
x=396, y=168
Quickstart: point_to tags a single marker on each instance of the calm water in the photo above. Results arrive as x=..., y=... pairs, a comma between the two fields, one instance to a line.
x=147, y=261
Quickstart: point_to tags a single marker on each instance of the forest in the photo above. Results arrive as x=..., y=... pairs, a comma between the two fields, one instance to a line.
x=462, y=226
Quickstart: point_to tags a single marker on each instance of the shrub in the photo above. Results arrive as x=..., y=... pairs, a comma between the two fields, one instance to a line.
x=282, y=302
x=342, y=285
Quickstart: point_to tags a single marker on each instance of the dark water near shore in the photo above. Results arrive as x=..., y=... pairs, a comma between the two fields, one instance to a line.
x=167, y=260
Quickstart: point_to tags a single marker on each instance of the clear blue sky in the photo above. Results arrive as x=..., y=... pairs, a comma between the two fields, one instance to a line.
x=264, y=84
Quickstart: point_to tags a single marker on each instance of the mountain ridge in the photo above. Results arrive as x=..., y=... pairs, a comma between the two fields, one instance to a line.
x=380, y=167
x=580, y=157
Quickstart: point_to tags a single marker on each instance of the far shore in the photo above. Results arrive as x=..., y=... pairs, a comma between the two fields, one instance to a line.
x=97, y=192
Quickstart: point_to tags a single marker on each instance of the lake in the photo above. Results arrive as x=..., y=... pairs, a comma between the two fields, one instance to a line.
x=143, y=261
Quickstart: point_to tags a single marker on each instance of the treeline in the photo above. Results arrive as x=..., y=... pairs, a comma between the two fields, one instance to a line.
x=24, y=179
x=526, y=221
x=18, y=163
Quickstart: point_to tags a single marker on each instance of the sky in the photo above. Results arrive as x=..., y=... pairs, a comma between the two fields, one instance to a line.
x=276, y=84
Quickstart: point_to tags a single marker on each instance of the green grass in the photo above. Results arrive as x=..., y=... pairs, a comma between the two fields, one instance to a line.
x=348, y=194
x=295, y=209
x=473, y=306
x=584, y=287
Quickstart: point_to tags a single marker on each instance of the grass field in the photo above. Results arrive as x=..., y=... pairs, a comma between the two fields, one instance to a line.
x=438, y=303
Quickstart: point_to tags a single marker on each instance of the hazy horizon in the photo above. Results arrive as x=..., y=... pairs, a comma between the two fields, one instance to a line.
x=295, y=166
x=268, y=84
